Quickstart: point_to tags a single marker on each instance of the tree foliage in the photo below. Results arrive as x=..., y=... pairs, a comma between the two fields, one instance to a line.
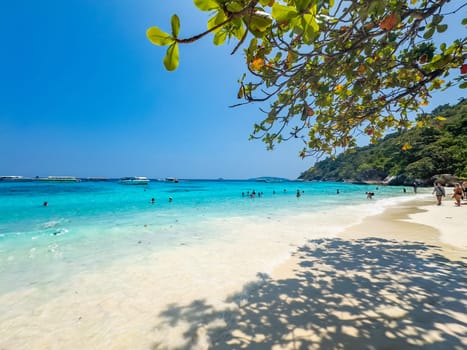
x=327, y=71
x=436, y=149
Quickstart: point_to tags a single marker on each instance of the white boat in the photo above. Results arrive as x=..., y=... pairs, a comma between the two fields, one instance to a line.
x=15, y=178
x=58, y=179
x=136, y=180
x=171, y=179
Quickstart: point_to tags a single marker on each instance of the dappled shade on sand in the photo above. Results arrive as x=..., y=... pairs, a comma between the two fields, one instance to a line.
x=346, y=294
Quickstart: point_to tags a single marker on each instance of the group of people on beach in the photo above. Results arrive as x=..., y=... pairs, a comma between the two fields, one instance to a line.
x=459, y=192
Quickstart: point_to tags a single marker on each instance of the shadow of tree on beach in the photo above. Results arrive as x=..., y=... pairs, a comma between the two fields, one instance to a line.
x=346, y=294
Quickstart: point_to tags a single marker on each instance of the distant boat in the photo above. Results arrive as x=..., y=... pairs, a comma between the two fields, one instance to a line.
x=171, y=179
x=96, y=179
x=58, y=179
x=136, y=180
x=15, y=179
x=270, y=179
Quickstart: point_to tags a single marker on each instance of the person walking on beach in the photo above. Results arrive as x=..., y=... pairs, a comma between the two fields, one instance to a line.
x=457, y=195
x=439, y=192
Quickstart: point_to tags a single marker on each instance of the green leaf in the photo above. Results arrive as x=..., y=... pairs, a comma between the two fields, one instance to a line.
x=234, y=7
x=283, y=13
x=171, y=57
x=310, y=28
x=239, y=29
x=302, y=4
x=216, y=20
x=441, y=28
x=158, y=37
x=463, y=85
x=437, y=19
x=206, y=5
x=219, y=37
x=311, y=21
x=175, y=26
x=252, y=46
x=258, y=24
x=429, y=33
x=464, y=21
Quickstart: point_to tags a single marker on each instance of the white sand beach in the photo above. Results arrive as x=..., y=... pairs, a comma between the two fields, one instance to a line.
x=447, y=219
x=395, y=280
x=419, y=220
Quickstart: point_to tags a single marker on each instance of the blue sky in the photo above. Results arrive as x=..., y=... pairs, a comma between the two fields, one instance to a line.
x=84, y=93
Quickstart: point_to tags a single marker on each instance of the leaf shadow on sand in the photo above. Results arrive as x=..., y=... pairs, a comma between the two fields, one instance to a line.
x=346, y=294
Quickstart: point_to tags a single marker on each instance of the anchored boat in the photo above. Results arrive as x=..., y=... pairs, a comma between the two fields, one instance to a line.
x=136, y=180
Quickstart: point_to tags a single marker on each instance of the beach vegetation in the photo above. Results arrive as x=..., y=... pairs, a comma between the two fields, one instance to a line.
x=325, y=72
x=435, y=149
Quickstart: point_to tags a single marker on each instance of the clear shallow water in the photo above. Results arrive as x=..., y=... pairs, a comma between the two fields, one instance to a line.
x=88, y=225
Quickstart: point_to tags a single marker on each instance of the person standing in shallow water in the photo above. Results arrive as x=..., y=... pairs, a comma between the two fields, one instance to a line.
x=369, y=195
x=439, y=192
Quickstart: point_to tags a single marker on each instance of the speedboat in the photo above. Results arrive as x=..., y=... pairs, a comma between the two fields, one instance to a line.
x=15, y=178
x=58, y=179
x=136, y=180
x=171, y=179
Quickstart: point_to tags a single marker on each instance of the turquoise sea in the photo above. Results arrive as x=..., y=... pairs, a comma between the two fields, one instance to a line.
x=96, y=238
x=93, y=223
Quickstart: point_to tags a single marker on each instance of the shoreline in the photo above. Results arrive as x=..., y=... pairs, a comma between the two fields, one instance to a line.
x=412, y=220
x=421, y=220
